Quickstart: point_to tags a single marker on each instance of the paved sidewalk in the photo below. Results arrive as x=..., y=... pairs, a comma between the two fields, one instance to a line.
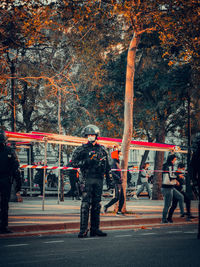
x=28, y=217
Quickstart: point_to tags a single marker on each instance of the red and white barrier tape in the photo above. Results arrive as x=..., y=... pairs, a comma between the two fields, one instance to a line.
x=71, y=168
x=47, y=167
x=62, y=168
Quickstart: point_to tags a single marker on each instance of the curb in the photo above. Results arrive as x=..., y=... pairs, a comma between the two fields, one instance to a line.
x=73, y=227
x=120, y=221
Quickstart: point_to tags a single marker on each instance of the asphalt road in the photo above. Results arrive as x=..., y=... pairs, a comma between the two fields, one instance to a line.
x=162, y=247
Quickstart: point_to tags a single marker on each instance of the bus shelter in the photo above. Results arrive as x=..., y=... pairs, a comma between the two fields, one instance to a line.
x=22, y=139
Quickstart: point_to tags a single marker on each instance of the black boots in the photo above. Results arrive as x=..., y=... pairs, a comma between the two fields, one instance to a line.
x=97, y=233
x=84, y=215
x=93, y=233
x=83, y=234
x=95, y=221
x=5, y=230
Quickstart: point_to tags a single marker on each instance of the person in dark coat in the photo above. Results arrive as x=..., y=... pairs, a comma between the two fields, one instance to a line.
x=116, y=176
x=38, y=179
x=92, y=159
x=52, y=179
x=74, y=191
x=9, y=171
x=194, y=170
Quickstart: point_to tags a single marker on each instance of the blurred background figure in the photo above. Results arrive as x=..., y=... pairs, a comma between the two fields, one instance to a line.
x=9, y=172
x=38, y=179
x=194, y=170
x=52, y=179
x=74, y=191
x=145, y=175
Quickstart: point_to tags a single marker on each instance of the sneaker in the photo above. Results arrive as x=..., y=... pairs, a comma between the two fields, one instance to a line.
x=188, y=219
x=105, y=209
x=164, y=221
x=135, y=197
x=182, y=215
x=191, y=217
x=120, y=213
x=97, y=233
x=170, y=220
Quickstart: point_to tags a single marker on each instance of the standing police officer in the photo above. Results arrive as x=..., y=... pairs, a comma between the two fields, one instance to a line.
x=92, y=159
x=9, y=170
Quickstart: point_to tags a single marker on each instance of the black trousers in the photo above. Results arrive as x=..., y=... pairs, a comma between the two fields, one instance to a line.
x=175, y=202
x=119, y=196
x=91, y=198
x=5, y=189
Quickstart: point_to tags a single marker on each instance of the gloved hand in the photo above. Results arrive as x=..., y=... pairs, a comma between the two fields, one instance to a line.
x=93, y=158
x=82, y=185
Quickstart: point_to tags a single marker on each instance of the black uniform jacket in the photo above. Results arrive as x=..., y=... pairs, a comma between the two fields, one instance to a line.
x=92, y=161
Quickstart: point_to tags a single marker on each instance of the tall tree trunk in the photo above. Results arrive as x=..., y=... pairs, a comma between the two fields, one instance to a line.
x=128, y=109
x=159, y=158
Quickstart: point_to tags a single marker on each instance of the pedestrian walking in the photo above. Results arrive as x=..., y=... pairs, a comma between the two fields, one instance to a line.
x=145, y=174
x=92, y=159
x=129, y=177
x=168, y=189
x=180, y=178
x=116, y=176
x=9, y=172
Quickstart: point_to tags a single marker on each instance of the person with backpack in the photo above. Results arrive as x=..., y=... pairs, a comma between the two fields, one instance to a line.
x=168, y=187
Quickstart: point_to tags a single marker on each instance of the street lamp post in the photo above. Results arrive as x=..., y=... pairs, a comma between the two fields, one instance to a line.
x=11, y=57
x=13, y=106
x=188, y=185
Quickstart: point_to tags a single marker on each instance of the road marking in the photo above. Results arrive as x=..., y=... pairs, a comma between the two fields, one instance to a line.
x=122, y=235
x=148, y=234
x=174, y=232
x=54, y=241
x=16, y=245
x=88, y=238
x=191, y=232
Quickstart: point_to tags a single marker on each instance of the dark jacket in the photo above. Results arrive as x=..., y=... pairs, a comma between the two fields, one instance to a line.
x=179, y=186
x=194, y=167
x=39, y=176
x=9, y=167
x=116, y=175
x=92, y=161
